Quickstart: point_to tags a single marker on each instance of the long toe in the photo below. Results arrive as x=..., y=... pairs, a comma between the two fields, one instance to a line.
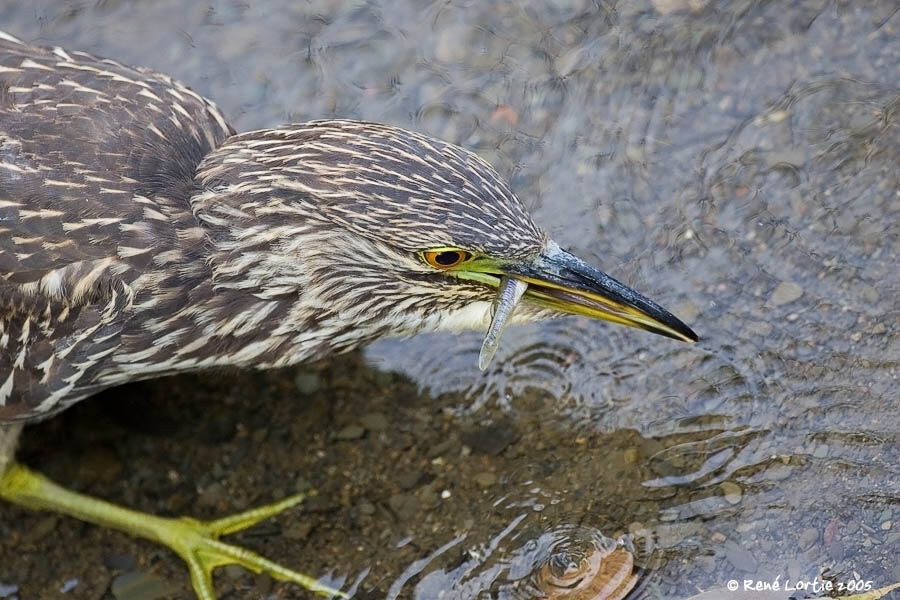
x=197, y=542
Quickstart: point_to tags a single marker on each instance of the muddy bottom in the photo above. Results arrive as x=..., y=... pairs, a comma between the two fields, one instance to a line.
x=397, y=476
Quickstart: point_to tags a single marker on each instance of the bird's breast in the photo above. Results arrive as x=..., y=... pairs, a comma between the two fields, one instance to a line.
x=475, y=315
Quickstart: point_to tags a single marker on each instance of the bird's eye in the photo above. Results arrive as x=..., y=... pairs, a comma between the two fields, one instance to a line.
x=445, y=259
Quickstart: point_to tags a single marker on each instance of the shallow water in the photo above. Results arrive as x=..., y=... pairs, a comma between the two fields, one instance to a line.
x=736, y=161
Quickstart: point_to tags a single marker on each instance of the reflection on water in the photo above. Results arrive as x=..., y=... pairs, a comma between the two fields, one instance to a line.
x=736, y=161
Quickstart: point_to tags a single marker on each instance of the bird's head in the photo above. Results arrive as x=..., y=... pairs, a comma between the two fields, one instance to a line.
x=374, y=230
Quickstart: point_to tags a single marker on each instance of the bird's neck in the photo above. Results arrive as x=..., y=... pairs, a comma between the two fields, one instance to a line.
x=221, y=326
x=268, y=297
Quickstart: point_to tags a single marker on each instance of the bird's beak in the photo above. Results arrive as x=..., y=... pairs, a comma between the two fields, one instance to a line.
x=565, y=283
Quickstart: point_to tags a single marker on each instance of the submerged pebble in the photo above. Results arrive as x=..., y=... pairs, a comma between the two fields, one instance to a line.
x=307, y=383
x=485, y=479
x=740, y=558
x=491, y=439
x=807, y=538
x=138, y=585
x=731, y=491
x=350, y=432
x=785, y=293
x=374, y=421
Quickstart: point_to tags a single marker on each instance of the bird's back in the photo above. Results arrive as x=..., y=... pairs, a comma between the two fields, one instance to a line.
x=97, y=162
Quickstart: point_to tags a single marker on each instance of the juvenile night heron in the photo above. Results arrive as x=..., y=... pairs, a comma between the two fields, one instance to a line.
x=140, y=236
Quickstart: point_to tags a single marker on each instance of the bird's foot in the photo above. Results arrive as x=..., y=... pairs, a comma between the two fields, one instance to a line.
x=197, y=542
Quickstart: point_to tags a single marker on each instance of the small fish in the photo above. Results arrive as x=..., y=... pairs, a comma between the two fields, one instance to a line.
x=508, y=297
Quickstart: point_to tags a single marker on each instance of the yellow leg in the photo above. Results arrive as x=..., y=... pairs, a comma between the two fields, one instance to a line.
x=197, y=542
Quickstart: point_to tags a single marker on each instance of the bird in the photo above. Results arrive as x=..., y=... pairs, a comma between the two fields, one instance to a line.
x=142, y=236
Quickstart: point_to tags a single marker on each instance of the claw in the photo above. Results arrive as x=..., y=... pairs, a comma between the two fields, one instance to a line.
x=197, y=542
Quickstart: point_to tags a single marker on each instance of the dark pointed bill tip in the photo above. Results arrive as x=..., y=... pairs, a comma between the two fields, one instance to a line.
x=564, y=282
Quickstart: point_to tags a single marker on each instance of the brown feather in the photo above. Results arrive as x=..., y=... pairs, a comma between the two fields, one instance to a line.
x=139, y=236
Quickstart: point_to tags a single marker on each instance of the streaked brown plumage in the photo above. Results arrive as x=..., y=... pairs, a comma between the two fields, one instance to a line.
x=140, y=236
x=90, y=194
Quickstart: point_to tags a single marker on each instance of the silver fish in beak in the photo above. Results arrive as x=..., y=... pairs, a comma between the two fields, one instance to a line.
x=508, y=297
x=564, y=283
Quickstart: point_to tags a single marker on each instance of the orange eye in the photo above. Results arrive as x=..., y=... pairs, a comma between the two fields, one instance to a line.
x=445, y=259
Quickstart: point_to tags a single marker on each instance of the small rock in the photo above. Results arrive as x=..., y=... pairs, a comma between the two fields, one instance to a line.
x=298, y=531
x=404, y=506
x=262, y=587
x=120, y=562
x=491, y=440
x=428, y=495
x=731, y=491
x=785, y=293
x=665, y=7
x=718, y=537
x=350, y=432
x=821, y=451
x=321, y=503
x=807, y=538
x=705, y=563
x=138, y=585
x=887, y=525
x=375, y=421
x=235, y=572
x=43, y=527
x=836, y=550
x=630, y=456
x=485, y=479
x=366, y=508
x=779, y=473
x=739, y=558
x=407, y=480
x=213, y=495
x=440, y=448
x=307, y=383
x=759, y=328
x=868, y=293
x=667, y=516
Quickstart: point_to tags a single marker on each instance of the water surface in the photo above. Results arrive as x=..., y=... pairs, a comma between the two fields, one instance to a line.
x=736, y=161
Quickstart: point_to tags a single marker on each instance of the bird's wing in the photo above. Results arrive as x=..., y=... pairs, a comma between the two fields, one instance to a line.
x=97, y=162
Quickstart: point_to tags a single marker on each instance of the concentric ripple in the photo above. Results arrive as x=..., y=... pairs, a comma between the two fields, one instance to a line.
x=565, y=562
